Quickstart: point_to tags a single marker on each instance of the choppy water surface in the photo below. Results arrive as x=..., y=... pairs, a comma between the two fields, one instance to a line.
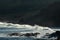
x=16, y=38
x=23, y=39
x=6, y=28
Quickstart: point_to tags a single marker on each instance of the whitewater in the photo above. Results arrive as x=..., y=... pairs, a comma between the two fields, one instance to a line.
x=8, y=28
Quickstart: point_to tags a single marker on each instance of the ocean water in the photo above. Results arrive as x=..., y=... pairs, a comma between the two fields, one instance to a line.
x=10, y=30
x=16, y=38
x=23, y=39
x=20, y=39
x=7, y=28
x=4, y=31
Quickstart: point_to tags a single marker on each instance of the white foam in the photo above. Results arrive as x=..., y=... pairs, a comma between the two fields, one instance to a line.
x=11, y=25
x=35, y=28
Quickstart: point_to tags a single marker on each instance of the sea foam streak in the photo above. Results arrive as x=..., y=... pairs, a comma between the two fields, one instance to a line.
x=25, y=28
x=11, y=25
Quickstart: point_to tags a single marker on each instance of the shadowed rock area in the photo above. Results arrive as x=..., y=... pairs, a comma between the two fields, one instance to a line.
x=41, y=12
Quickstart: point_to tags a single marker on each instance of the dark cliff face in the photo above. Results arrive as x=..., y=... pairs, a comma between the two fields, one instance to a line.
x=32, y=12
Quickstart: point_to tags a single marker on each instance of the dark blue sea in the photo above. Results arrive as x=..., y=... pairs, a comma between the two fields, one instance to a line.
x=19, y=39
x=16, y=38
